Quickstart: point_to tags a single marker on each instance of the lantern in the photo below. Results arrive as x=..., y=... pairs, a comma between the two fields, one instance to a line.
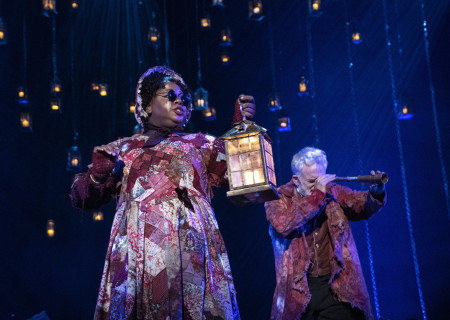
x=205, y=22
x=225, y=59
x=303, y=87
x=201, y=99
x=404, y=112
x=209, y=114
x=56, y=86
x=225, y=38
x=255, y=10
x=26, y=121
x=153, y=36
x=356, y=38
x=74, y=4
x=22, y=96
x=97, y=216
x=217, y=3
x=50, y=228
x=274, y=102
x=315, y=7
x=103, y=90
x=250, y=164
x=74, y=156
x=3, y=38
x=284, y=123
x=49, y=7
x=95, y=86
x=131, y=107
x=55, y=105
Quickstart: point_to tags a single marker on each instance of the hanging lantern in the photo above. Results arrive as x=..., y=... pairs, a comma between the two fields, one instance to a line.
x=55, y=105
x=250, y=164
x=131, y=107
x=74, y=156
x=209, y=114
x=74, y=4
x=225, y=38
x=205, y=22
x=255, y=10
x=217, y=3
x=26, y=121
x=3, y=38
x=97, y=216
x=56, y=87
x=50, y=228
x=404, y=112
x=303, y=87
x=49, y=7
x=315, y=7
x=356, y=38
x=284, y=123
x=95, y=86
x=153, y=36
x=225, y=59
x=274, y=102
x=201, y=99
x=103, y=90
x=22, y=96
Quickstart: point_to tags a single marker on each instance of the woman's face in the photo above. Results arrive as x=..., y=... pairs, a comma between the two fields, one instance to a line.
x=166, y=113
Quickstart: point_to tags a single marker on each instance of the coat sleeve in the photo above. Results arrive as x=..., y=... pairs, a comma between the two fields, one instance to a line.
x=288, y=214
x=358, y=205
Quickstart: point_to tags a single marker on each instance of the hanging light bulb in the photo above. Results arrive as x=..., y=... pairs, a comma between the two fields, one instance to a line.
x=315, y=7
x=56, y=87
x=103, y=90
x=55, y=105
x=217, y=3
x=225, y=59
x=205, y=21
x=3, y=37
x=255, y=10
x=225, y=38
x=303, y=86
x=26, y=121
x=209, y=114
x=201, y=99
x=74, y=4
x=274, y=102
x=97, y=216
x=50, y=228
x=74, y=156
x=49, y=7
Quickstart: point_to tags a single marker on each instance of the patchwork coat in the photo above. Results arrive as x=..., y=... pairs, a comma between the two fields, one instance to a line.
x=166, y=258
x=288, y=216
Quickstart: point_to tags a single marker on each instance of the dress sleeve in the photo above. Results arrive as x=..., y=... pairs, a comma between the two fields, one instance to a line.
x=358, y=205
x=216, y=164
x=288, y=213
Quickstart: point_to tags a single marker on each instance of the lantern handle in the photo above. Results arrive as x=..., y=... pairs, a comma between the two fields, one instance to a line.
x=244, y=118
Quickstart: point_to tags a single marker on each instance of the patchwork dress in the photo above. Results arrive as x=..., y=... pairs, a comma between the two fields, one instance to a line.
x=166, y=258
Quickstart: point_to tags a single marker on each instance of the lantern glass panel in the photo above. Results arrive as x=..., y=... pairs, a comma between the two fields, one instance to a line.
x=233, y=146
x=236, y=179
x=259, y=175
x=244, y=145
x=254, y=143
x=235, y=164
x=248, y=177
x=246, y=162
x=255, y=159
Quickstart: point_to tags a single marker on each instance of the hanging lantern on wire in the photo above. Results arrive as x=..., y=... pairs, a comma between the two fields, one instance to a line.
x=153, y=36
x=404, y=108
x=131, y=106
x=50, y=228
x=95, y=86
x=22, y=96
x=3, y=34
x=216, y=3
x=274, y=102
x=356, y=37
x=74, y=156
x=209, y=114
x=251, y=172
x=97, y=216
x=225, y=38
x=303, y=86
x=74, y=4
x=103, y=90
x=284, y=122
x=55, y=105
x=26, y=121
x=49, y=7
x=56, y=87
x=201, y=99
x=205, y=21
x=255, y=10
x=225, y=59
x=315, y=7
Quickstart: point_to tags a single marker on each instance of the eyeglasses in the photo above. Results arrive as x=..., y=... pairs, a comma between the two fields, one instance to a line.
x=172, y=96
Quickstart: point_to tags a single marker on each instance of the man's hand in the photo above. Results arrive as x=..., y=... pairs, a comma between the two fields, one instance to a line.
x=248, y=108
x=322, y=181
x=379, y=187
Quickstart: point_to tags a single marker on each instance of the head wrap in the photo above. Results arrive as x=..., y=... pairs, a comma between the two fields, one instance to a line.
x=170, y=76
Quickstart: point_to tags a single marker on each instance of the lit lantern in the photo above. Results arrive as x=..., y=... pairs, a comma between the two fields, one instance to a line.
x=274, y=103
x=205, y=22
x=225, y=38
x=209, y=114
x=95, y=86
x=251, y=172
x=97, y=216
x=74, y=4
x=356, y=38
x=404, y=112
x=315, y=7
x=26, y=121
x=103, y=90
x=74, y=156
x=201, y=99
x=55, y=105
x=49, y=7
x=225, y=59
x=3, y=38
x=255, y=10
x=153, y=36
x=22, y=96
x=50, y=228
x=303, y=86
x=56, y=87
x=217, y=3
x=131, y=107
x=284, y=123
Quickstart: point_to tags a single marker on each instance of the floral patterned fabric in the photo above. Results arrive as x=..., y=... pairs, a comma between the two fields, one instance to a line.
x=166, y=258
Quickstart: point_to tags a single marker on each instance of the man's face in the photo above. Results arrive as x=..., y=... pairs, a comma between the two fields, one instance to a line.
x=308, y=176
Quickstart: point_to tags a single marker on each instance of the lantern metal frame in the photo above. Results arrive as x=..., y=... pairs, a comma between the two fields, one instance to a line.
x=201, y=99
x=265, y=189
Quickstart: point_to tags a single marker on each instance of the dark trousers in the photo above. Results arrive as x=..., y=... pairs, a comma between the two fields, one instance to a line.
x=325, y=306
